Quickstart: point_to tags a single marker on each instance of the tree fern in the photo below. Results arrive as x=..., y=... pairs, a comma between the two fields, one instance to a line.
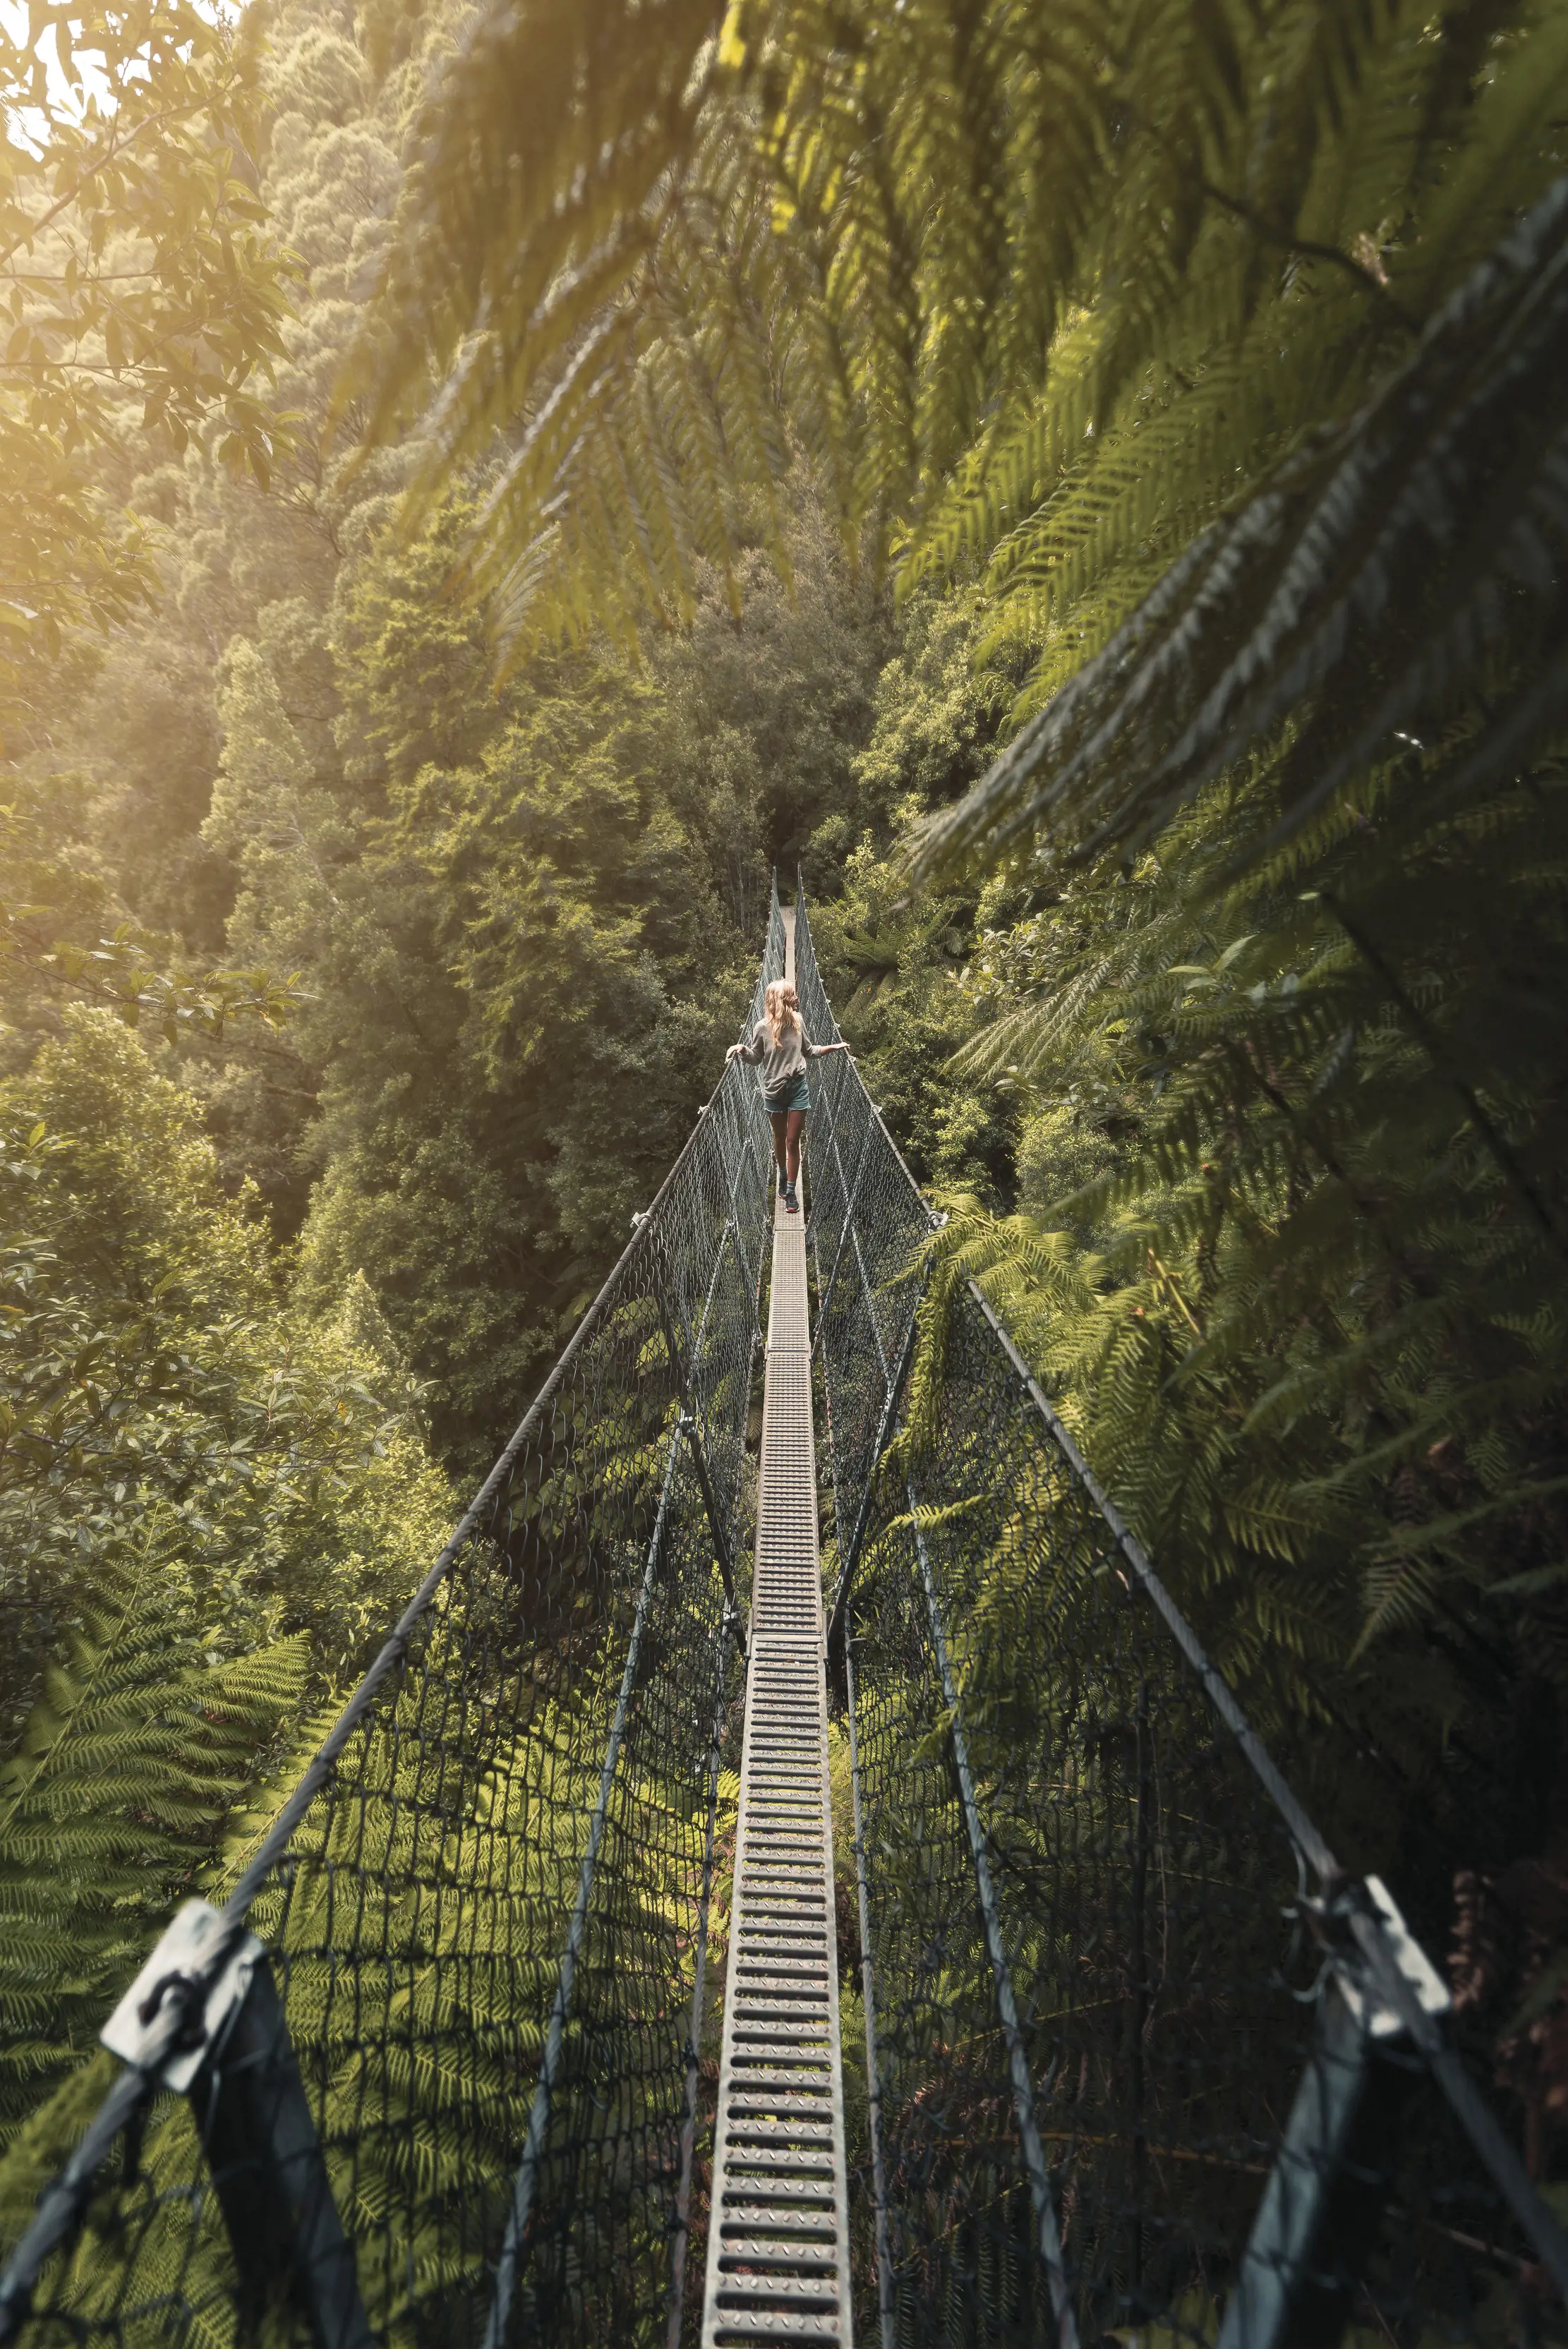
x=929, y=247
x=417, y=1933
x=131, y=1759
x=1408, y=526
x=1306, y=1318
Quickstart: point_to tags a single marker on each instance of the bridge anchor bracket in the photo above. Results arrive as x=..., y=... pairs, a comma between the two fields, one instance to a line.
x=1323, y=2202
x=232, y=2058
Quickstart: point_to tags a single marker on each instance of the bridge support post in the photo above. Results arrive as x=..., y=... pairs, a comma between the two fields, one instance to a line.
x=1048, y=2239
x=233, y=2059
x=1323, y=2205
x=269, y=2173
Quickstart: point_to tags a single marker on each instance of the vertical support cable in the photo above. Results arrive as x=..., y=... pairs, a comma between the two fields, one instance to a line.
x=850, y=1559
x=873, y=2064
x=1048, y=2238
x=853, y=1230
x=509, y=2263
x=689, y=1420
x=825, y=1295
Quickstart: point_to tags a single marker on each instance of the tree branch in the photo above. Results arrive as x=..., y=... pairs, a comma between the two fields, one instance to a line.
x=1310, y=249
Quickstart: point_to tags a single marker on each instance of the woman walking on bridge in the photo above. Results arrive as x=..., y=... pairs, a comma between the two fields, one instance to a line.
x=779, y=1044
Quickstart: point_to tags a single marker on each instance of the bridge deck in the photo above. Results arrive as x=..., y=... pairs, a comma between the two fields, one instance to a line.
x=778, y=2252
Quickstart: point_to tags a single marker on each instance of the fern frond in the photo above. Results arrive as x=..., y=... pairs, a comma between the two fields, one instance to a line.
x=130, y=1760
x=1272, y=609
x=989, y=223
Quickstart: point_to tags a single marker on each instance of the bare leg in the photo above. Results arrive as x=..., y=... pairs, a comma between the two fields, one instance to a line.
x=795, y=1122
x=781, y=1127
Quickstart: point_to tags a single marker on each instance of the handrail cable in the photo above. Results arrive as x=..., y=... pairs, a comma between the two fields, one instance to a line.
x=1142, y=2058
x=1342, y=1914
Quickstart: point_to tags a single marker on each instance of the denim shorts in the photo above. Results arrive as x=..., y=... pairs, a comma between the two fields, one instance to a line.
x=794, y=1096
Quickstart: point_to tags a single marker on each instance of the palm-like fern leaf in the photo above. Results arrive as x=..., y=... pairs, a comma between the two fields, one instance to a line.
x=132, y=1758
x=1368, y=578
x=655, y=256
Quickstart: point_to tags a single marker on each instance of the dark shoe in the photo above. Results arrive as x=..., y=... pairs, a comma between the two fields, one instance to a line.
x=783, y=1186
x=792, y=1204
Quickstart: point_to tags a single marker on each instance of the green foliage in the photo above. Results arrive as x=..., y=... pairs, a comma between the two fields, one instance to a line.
x=1296, y=1133
x=211, y=1504
x=440, y=1867
x=936, y=247
x=895, y=973
x=522, y=976
x=64, y=939
x=151, y=1373
x=507, y=1004
x=134, y=273
x=138, y=1745
x=1270, y=617
x=1295, y=1277
x=519, y=925
x=1199, y=370
x=895, y=967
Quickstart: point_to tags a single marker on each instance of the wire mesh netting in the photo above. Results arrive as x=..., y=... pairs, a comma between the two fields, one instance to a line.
x=1142, y=2062
x=1086, y=1918
x=867, y=1227
x=1137, y=1878
x=485, y=1929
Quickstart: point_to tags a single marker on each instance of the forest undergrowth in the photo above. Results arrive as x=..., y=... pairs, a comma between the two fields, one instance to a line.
x=359, y=985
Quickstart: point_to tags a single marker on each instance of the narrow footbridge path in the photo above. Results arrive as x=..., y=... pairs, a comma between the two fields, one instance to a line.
x=1083, y=2035
x=778, y=2241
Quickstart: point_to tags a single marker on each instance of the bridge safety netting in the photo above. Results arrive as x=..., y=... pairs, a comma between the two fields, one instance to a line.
x=1142, y=2062
x=1115, y=2088
x=484, y=1912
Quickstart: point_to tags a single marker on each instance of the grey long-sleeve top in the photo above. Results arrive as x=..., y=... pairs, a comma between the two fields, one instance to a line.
x=780, y=1063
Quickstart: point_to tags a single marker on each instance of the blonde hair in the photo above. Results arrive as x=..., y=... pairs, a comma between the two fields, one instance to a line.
x=783, y=1008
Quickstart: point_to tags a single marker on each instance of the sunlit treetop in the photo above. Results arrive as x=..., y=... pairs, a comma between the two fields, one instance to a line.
x=138, y=294
x=1041, y=291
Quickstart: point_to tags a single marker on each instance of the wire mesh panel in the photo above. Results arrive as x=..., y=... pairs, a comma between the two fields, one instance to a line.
x=483, y=1910
x=867, y=1228
x=1133, y=2072
x=1136, y=1876
x=447, y=2093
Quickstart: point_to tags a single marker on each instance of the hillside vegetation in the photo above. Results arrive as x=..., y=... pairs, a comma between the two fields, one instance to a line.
x=1081, y=485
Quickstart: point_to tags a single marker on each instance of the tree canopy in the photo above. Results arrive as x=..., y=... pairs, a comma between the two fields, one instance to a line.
x=1080, y=484
x=135, y=273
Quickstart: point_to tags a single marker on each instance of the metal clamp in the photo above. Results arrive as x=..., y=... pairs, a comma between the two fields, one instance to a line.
x=176, y=1975
x=1377, y=2017
x=1323, y=2202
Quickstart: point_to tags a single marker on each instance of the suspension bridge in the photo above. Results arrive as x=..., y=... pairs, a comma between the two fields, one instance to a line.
x=793, y=1874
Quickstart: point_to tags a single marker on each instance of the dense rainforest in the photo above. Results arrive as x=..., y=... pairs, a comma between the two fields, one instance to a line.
x=1082, y=488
